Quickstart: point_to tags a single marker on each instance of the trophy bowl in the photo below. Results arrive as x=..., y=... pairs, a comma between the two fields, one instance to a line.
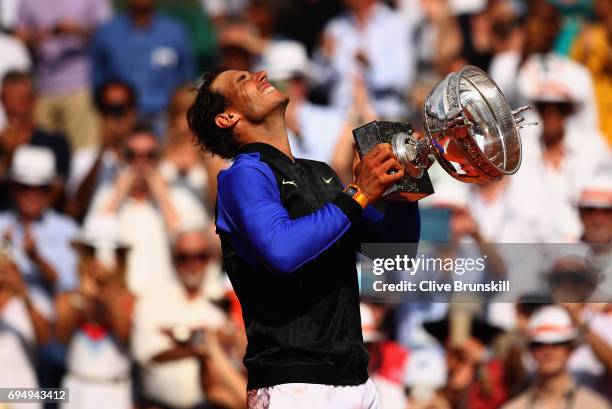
x=470, y=130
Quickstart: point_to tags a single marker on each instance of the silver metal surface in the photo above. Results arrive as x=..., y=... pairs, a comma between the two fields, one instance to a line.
x=472, y=129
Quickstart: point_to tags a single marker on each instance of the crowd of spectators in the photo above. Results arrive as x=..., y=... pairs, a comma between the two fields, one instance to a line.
x=110, y=276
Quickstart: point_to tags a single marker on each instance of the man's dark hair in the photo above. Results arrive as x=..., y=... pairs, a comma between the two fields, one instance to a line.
x=101, y=91
x=201, y=118
x=16, y=76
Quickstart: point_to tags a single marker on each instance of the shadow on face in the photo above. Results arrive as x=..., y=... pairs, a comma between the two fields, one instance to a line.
x=31, y=201
x=551, y=358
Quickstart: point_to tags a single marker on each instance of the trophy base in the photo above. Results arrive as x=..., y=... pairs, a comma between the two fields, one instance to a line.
x=408, y=189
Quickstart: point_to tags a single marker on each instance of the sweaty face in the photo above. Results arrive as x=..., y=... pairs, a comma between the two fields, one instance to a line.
x=250, y=96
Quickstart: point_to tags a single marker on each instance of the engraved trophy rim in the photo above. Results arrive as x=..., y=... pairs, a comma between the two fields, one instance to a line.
x=455, y=121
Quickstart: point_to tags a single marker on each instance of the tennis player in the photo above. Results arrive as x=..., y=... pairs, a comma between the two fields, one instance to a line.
x=289, y=232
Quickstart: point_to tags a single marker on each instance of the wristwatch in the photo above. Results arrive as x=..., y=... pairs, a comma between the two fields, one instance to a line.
x=357, y=195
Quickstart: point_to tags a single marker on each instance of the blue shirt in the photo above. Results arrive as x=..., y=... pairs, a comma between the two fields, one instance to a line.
x=52, y=234
x=155, y=60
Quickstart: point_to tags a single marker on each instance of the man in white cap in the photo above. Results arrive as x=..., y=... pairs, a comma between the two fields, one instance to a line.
x=40, y=236
x=566, y=159
x=552, y=337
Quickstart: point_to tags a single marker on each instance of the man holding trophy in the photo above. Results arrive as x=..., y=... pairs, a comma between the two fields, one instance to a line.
x=290, y=230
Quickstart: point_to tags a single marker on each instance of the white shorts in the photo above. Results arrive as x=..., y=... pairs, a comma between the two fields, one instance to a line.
x=311, y=396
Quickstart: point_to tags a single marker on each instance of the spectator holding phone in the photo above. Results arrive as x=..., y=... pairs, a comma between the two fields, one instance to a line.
x=175, y=339
x=94, y=321
x=148, y=211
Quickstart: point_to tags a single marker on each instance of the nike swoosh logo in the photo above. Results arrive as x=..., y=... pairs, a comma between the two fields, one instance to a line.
x=289, y=182
x=328, y=181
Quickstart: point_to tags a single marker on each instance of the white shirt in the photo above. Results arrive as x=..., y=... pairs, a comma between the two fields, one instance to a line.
x=387, y=43
x=142, y=225
x=586, y=157
x=16, y=331
x=14, y=57
x=517, y=215
x=320, y=129
x=176, y=383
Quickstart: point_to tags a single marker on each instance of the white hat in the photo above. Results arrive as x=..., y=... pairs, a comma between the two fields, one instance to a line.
x=551, y=78
x=33, y=165
x=101, y=230
x=102, y=233
x=285, y=59
x=598, y=193
x=467, y=6
x=551, y=324
x=368, y=324
x=426, y=368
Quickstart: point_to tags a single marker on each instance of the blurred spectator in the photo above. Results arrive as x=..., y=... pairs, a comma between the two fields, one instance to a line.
x=313, y=130
x=388, y=359
x=537, y=61
x=504, y=211
x=176, y=342
x=371, y=40
x=573, y=283
x=8, y=15
x=19, y=97
x=236, y=46
x=475, y=381
x=39, y=235
x=222, y=9
x=14, y=58
x=595, y=208
x=566, y=158
x=93, y=167
x=147, y=49
x=425, y=378
x=181, y=164
x=95, y=321
x=593, y=48
x=575, y=14
x=552, y=337
x=22, y=327
x=58, y=32
x=148, y=211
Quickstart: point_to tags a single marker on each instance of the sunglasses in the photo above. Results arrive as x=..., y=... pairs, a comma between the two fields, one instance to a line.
x=536, y=345
x=564, y=108
x=39, y=189
x=115, y=110
x=589, y=209
x=184, y=257
x=131, y=155
x=569, y=278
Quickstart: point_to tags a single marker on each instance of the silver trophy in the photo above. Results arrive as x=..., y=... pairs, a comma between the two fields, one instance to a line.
x=469, y=129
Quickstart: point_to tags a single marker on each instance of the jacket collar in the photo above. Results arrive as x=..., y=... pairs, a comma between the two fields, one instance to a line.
x=266, y=150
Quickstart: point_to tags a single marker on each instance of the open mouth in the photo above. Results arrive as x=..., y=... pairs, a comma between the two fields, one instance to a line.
x=267, y=89
x=264, y=86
